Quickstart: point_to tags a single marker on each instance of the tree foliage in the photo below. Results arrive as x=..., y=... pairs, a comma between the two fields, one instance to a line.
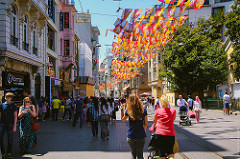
x=232, y=22
x=194, y=60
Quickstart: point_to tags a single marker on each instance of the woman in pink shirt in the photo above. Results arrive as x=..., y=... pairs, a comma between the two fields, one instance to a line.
x=164, y=129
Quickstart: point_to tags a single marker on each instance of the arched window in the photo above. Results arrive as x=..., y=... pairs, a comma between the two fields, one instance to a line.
x=13, y=33
x=25, y=33
x=34, y=40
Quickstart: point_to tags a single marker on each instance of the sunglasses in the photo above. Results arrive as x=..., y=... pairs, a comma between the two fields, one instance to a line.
x=27, y=101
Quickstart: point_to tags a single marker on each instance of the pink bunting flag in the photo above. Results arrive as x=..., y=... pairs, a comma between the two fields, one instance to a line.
x=148, y=12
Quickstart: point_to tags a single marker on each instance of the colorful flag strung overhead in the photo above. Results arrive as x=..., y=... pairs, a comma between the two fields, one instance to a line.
x=140, y=40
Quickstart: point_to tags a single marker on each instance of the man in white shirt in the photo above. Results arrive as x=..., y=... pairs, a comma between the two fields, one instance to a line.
x=226, y=102
x=68, y=109
x=181, y=101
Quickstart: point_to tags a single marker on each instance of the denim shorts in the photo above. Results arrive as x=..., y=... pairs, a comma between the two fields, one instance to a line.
x=226, y=105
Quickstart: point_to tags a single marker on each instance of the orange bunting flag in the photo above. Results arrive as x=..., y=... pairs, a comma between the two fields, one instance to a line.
x=180, y=2
x=148, y=12
x=135, y=15
x=171, y=10
x=199, y=4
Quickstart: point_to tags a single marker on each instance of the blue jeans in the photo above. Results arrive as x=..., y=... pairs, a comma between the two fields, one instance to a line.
x=94, y=128
x=76, y=117
x=9, y=129
x=137, y=146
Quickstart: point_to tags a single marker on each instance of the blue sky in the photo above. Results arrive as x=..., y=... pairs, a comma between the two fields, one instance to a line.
x=98, y=9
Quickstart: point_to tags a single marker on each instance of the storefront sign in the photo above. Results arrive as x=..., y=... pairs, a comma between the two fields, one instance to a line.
x=66, y=20
x=83, y=18
x=66, y=47
x=14, y=79
x=56, y=82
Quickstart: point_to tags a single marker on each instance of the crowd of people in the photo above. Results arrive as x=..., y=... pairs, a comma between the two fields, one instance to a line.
x=95, y=111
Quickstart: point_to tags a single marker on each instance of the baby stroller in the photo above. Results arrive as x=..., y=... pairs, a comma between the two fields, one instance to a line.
x=184, y=117
x=152, y=147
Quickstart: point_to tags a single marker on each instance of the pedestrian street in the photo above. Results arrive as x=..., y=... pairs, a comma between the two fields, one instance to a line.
x=216, y=136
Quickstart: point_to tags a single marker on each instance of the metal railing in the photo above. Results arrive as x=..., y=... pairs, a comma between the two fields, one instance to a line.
x=14, y=41
x=217, y=103
x=25, y=46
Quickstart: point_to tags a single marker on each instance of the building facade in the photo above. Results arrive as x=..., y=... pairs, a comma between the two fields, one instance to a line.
x=211, y=8
x=22, y=47
x=67, y=38
x=88, y=42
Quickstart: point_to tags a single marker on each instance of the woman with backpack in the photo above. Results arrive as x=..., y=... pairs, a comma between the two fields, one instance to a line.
x=138, y=123
x=104, y=115
x=93, y=115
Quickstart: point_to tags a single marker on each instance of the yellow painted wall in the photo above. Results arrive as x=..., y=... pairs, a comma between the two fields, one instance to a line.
x=172, y=98
x=229, y=51
x=86, y=90
x=156, y=92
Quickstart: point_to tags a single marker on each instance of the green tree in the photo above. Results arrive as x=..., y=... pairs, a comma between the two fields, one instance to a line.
x=232, y=22
x=194, y=60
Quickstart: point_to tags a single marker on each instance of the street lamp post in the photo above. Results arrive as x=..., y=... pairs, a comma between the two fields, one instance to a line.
x=106, y=75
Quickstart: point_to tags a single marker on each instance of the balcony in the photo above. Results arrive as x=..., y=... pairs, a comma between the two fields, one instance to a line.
x=68, y=2
x=34, y=50
x=25, y=46
x=67, y=61
x=14, y=41
x=42, y=6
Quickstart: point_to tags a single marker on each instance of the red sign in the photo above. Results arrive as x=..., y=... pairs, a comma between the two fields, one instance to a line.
x=66, y=20
x=66, y=47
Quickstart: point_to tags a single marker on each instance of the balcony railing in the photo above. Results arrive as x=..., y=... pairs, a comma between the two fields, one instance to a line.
x=14, y=41
x=68, y=2
x=34, y=50
x=25, y=46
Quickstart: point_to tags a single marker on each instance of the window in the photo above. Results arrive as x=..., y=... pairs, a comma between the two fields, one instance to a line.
x=66, y=47
x=34, y=40
x=51, y=10
x=159, y=58
x=25, y=34
x=142, y=70
x=51, y=39
x=218, y=15
x=222, y=1
x=143, y=82
x=66, y=20
x=206, y=2
x=13, y=34
x=61, y=21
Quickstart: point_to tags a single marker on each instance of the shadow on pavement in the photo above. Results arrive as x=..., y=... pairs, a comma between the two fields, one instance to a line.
x=58, y=136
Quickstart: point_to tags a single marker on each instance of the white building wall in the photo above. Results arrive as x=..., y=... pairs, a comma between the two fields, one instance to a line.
x=85, y=60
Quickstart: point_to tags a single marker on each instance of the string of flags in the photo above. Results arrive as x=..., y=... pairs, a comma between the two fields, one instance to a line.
x=139, y=39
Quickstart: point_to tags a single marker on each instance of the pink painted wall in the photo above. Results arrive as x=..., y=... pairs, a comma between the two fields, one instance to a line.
x=67, y=34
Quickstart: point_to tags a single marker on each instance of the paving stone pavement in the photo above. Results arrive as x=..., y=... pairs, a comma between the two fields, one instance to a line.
x=59, y=140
